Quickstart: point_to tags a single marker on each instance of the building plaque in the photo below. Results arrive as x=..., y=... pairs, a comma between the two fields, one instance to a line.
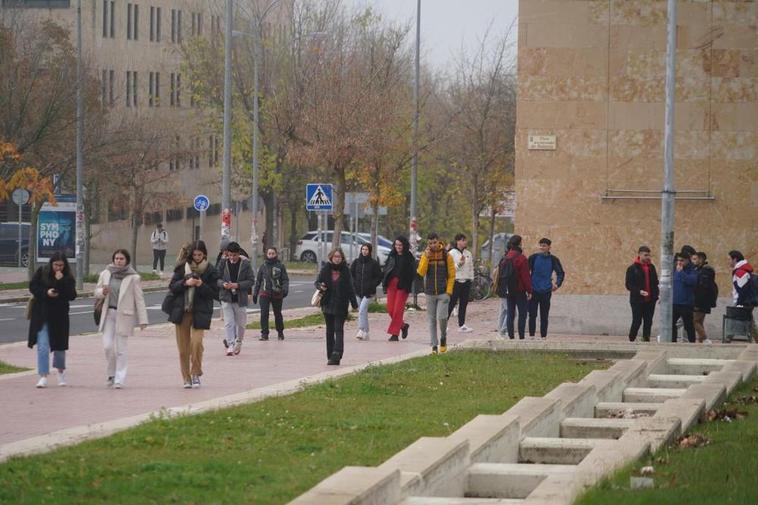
x=542, y=142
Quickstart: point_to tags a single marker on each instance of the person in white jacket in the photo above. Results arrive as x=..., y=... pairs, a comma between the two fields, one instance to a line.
x=464, y=275
x=123, y=309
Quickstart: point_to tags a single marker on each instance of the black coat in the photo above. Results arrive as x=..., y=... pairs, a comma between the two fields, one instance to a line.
x=367, y=274
x=338, y=296
x=706, y=291
x=53, y=311
x=406, y=271
x=635, y=282
x=202, y=305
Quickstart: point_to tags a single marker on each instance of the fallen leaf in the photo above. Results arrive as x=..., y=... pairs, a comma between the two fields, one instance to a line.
x=692, y=440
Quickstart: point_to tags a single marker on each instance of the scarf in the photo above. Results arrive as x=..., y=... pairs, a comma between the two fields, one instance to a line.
x=189, y=268
x=120, y=272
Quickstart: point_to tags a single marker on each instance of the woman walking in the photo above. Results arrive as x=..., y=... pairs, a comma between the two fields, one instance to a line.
x=397, y=281
x=366, y=274
x=335, y=282
x=52, y=287
x=194, y=286
x=123, y=308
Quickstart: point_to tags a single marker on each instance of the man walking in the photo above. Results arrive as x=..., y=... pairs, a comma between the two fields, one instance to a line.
x=236, y=278
x=542, y=265
x=706, y=293
x=159, y=241
x=515, y=274
x=464, y=275
x=437, y=268
x=642, y=283
x=685, y=280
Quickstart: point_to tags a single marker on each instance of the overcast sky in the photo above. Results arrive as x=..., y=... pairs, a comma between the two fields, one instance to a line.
x=447, y=24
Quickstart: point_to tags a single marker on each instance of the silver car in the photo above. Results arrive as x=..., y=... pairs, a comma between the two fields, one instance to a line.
x=308, y=246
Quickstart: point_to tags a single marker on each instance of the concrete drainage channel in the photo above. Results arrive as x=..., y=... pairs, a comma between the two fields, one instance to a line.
x=548, y=450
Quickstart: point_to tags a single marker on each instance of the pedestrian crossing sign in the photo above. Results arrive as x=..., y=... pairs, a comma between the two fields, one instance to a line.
x=319, y=196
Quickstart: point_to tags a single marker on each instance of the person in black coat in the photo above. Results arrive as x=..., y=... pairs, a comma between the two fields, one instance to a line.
x=706, y=294
x=642, y=284
x=193, y=287
x=367, y=274
x=335, y=282
x=397, y=281
x=52, y=287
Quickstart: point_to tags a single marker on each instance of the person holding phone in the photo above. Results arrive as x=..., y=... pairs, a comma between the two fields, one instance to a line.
x=53, y=287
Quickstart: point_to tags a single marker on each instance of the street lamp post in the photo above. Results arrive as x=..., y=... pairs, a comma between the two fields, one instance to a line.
x=413, y=229
x=79, y=248
x=227, y=167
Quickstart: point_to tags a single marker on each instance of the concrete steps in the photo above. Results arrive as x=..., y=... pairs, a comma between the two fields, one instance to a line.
x=651, y=395
x=625, y=409
x=509, y=480
x=692, y=366
x=436, y=500
x=587, y=427
x=671, y=381
x=557, y=451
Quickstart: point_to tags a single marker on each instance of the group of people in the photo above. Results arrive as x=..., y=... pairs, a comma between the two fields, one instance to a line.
x=695, y=291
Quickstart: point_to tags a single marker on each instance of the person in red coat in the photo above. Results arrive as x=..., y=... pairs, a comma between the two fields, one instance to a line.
x=519, y=287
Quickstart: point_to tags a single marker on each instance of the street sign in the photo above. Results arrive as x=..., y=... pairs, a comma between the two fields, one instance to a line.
x=319, y=197
x=201, y=203
x=20, y=196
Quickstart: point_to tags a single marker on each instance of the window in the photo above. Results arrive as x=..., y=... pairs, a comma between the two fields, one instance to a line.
x=152, y=24
x=104, y=87
x=194, y=155
x=212, y=151
x=176, y=89
x=173, y=25
x=111, y=84
x=151, y=89
x=172, y=89
x=175, y=162
x=215, y=26
x=128, y=21
x=158, y=24
x=197, y=24
x=174, y=214
x=131, y=88
x=108, y=22
x=132, y=21
x=176, y=26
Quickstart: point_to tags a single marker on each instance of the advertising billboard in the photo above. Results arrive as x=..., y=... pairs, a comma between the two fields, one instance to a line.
x=56, y=230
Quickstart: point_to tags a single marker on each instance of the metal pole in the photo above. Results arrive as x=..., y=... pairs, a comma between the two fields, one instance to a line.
x=79, y=157
x=668, y=194
x=254, y=206
x=19, y=235
x=227, y=168
x=414, y=163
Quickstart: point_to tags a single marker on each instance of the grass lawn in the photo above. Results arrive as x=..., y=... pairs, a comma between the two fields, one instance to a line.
x=13, y=285
x=6, y=368
x=300, y=322
x=722, y=472
x=272, y=451
x=145, y=276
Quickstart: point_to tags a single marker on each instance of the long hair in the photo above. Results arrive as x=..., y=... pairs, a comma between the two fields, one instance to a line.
x=198, y=245
x=184, y=253
x=406, y=245
x=59, y=256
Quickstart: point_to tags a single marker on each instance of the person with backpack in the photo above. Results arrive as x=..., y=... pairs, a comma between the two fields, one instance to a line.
x=541, y=266
x=159, y=242
x=744, y=286
x=273, y=285
x=706, y=294
x=514, y=277
x=501, y=290
x=642, y=284
x=236, y=277
x=438, y=270
x=366, y=274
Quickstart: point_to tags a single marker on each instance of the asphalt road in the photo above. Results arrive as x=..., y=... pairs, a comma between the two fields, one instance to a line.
x=14, y=327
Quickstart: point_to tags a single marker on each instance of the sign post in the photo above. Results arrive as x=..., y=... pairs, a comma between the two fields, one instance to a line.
x=319, y=198
x=56, y=229
x=20, y=197
x=201, y=204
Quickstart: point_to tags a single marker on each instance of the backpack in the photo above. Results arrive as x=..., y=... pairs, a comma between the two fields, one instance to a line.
x=507, y=281
x=714, y=292
x=752, y=285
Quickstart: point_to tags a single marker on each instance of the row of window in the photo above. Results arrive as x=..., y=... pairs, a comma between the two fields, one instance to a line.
x=117, y=211
x=156, y=15
x=108, y=84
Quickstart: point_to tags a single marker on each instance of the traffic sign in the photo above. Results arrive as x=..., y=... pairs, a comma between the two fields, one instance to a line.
x=319, y=196
x=20, y=196
x=201, y=203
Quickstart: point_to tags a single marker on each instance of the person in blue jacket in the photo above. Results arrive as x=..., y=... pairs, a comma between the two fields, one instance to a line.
x=541, y=266
x=685, y=281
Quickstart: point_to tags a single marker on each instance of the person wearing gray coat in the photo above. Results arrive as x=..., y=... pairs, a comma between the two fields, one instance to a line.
x=236, y=278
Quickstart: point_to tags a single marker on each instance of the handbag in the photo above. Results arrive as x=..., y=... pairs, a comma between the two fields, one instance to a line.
x=317, y=297
x=97, y=313
x=168, y=303
x=29, y=308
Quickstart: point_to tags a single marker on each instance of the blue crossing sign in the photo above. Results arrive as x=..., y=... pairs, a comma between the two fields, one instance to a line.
x=319, y=196
x=201, y=203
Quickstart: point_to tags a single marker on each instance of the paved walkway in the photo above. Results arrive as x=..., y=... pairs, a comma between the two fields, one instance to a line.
x=154, y=381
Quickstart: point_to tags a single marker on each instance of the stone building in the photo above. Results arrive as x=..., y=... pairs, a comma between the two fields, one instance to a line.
x=589, y=155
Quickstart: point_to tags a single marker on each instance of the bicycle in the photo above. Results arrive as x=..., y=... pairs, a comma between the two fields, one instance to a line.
x=482, y=283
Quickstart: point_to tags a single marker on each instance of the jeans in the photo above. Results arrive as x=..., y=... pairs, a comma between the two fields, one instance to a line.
x=396, y=299
x=501, y=327
x=335, y=335
x=276, y=304
x=235, y=318
x=698, y=319
x=43, y=353
x=461, y=293
x=115, y=349
x=436, y=311
x=363, y=313
x=541, y=301
x=642, y=314
x=159, y=255
x=516, y=301
x=685, y=312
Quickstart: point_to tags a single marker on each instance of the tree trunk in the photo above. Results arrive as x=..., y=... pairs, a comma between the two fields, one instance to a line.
x=294, y=207
x=492, y=235
x=33, y=240
x=268, y=232
x=133, y=242
x=475, y=217
x=338, y=201
x=375, y=227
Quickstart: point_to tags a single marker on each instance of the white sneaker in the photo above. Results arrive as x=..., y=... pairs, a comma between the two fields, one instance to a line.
x=365, y=335
x=237, y=346
x=155, y=272
x=109, y=382
x=464, y=329
x=117, y=385
x=359, y=335
x=230, y=351
x=708, y=341
x=42, y=382
x=62, y=379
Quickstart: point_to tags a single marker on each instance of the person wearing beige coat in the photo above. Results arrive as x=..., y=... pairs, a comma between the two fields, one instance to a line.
x=123, y=309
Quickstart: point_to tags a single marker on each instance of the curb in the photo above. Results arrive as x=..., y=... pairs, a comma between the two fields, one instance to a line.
x=83, y=294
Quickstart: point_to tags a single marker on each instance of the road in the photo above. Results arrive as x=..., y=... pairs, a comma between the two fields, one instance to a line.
x=14, y=327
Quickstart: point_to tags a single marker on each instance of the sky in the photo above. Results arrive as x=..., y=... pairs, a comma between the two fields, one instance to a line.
x=447, y=25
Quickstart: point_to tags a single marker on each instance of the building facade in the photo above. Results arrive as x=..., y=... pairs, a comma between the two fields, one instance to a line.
x=589, y=141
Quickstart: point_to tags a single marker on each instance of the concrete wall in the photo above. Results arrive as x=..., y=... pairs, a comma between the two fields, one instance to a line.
x=591, y=72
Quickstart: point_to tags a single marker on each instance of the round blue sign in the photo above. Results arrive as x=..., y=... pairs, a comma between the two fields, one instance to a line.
x=201, y=203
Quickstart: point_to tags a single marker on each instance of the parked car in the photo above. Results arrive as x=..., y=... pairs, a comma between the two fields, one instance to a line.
x=381, y=240
x=498, y=249
x=9, y=244
x=307, y=246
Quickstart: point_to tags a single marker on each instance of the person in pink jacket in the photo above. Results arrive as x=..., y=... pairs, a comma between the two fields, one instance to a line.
x=123, y=309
